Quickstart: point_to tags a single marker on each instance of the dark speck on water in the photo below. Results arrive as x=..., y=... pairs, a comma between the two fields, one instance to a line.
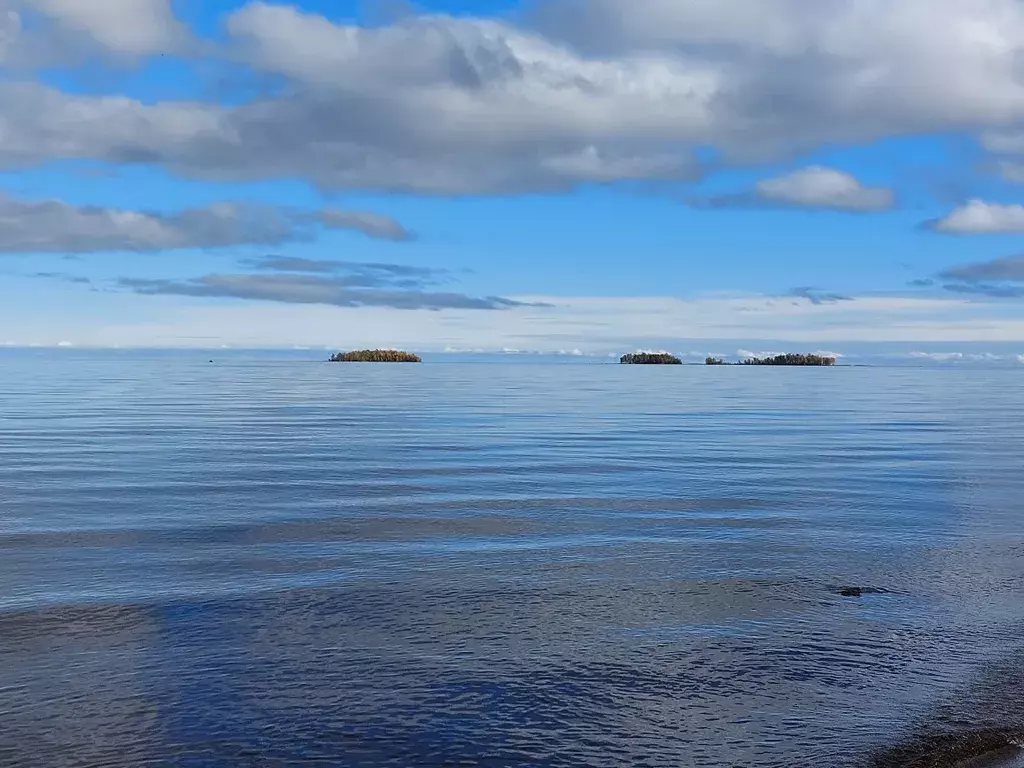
x=275, y=562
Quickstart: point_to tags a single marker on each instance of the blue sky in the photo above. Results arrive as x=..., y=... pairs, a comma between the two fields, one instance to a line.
x=600, y=175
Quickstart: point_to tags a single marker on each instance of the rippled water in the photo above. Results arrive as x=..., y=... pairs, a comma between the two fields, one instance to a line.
x=267, y=561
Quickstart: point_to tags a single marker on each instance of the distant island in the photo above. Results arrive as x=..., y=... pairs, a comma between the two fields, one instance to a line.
x=375, y=356
x=790, y=359
x=648, y=358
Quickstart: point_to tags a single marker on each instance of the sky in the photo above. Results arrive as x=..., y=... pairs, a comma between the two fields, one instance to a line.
x=546, y=175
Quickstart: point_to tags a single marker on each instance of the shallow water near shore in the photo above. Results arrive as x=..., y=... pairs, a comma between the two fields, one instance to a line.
x=275, y=561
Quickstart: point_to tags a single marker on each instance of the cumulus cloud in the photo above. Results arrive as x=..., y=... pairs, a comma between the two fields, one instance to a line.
x=53, y=226
x=130, y=27
x=820, y=187
x=814, y=187
x=351, y=290
x=37, y=33
x=444, y=105
x=977, y=217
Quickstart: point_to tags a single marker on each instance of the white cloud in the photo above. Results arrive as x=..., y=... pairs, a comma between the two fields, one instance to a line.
x=939, y=357
x=744, y=354
x=820, y=187
x=977, y=217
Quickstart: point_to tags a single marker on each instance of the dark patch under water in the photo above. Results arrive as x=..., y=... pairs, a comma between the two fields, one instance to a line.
x=283, y=564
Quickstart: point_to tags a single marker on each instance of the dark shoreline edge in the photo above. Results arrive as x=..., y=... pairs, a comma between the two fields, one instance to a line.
x=978, y=726
x=949, y=749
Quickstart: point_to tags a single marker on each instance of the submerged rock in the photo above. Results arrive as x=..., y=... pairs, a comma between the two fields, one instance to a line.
x=860, y=591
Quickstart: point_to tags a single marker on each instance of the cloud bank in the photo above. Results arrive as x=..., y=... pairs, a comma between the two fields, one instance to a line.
x=592, y=325
x=580, y=93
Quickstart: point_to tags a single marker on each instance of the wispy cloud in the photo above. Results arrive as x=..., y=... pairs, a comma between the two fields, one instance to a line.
x=817, y=297
x=1007, y=268
x=352, y=290
x=368, y=274
x=370, y=224
x=64, y=277
x=992, y=290
x=999, y=278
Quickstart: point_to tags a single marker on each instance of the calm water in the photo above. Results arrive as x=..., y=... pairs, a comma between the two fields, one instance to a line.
x=280, y=562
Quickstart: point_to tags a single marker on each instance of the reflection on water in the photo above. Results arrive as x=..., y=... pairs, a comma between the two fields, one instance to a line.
x=279, y=562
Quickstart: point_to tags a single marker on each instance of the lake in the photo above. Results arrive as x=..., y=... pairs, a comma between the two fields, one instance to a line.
x=267, y=560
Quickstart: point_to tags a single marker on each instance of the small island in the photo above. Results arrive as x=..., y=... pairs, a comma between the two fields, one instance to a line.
x=790, y=359
x=375, y=356
x=649, y=358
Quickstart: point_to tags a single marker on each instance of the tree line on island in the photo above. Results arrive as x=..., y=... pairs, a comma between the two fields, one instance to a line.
x=663, y=358
x=633, y=358
x=375, y=356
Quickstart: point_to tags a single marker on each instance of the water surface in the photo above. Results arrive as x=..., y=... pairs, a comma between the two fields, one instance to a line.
x=271, y=561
